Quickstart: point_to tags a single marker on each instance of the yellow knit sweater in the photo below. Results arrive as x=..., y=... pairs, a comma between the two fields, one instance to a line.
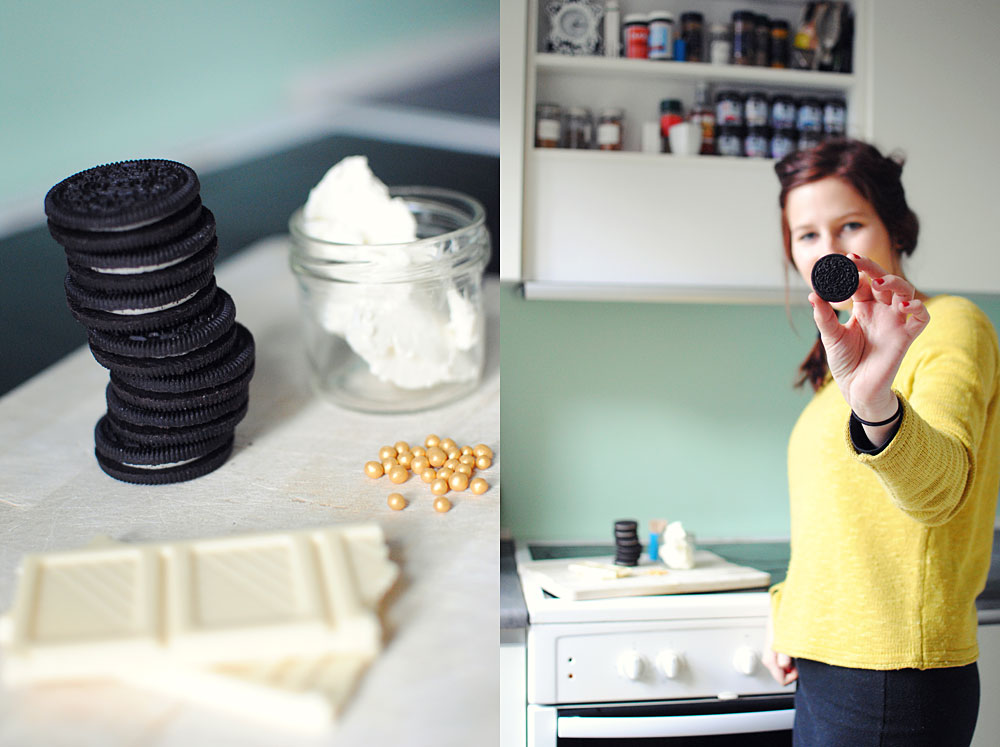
x=889, y=551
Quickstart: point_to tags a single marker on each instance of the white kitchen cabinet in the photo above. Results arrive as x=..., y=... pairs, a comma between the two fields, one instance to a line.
x=988, y=726
x=634, y=226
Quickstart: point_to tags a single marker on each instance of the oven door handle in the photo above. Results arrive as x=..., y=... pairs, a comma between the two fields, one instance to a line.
x=625, y=727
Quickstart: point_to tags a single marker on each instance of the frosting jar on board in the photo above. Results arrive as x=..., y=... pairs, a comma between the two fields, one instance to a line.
x=396, y=327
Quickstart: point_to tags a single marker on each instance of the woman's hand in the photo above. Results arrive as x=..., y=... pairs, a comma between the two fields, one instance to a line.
x=781, y=666
x=864, y=354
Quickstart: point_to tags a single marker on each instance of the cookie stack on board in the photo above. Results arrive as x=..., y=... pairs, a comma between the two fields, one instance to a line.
x=141, y=252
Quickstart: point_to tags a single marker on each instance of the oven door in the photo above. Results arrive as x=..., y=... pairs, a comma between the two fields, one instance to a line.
x=747, y=722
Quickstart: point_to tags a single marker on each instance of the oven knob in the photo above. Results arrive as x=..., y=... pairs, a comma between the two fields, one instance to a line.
x=669, y=662
x=745, y=660
x=631, y=664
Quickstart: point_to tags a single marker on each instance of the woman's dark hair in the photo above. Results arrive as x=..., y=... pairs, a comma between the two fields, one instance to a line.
x=875, y=177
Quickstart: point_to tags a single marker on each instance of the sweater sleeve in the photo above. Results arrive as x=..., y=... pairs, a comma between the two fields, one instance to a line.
x=929, y=466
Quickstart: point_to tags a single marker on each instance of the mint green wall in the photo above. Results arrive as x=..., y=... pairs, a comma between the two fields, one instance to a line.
x=619, y=410
x=86, y=82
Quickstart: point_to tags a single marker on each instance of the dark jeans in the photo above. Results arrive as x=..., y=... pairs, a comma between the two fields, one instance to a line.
x=842, y=707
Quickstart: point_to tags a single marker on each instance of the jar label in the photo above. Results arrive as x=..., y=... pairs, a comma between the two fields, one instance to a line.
x=783, y=115
x=729, y=111
x=548, y=129
x=810, y=118
x=608, y=133
x=756, y=111
x=661, y=46
x=756, y=146
x=730, y=145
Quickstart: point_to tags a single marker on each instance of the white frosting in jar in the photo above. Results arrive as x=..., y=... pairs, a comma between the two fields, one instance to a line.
x=412, y=336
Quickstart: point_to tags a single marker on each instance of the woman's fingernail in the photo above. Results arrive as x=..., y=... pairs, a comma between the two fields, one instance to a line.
x=879, y=281
x=905, y=304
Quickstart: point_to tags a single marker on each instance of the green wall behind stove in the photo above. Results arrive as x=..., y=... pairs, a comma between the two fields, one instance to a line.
x=88, y=82
x=635, y=410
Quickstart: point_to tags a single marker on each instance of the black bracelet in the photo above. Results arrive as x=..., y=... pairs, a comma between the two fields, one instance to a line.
x=899, y=411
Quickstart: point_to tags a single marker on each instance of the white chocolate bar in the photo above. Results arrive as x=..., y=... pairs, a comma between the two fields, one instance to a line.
x=108, y=610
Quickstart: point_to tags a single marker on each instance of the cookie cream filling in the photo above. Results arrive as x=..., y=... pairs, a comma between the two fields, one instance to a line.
x=410, y=335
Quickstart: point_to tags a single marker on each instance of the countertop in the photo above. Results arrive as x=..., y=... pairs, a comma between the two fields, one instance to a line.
x=297, y=464
x=767, y=556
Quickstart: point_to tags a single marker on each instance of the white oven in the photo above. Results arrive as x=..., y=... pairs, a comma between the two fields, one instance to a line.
x=682, y=669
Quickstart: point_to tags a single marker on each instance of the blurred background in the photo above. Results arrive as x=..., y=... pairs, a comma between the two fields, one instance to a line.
x=260, y=98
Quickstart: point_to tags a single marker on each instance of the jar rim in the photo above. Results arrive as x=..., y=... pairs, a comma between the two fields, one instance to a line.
x=478, y=217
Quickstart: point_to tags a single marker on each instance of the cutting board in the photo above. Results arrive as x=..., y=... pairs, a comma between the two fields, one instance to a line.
x=710, y=573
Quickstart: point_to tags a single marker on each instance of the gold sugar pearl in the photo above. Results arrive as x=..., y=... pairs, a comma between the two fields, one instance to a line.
x=458, y=481
x=483, y=462
x=436, y=456
x=447, y=444
x=468, y=459
x=442, y=505
x=432, y=440
x=374, y=469
x=466, y=450
x=479, y=485
x=418, y=464
x=453, y=453
x=428, y=475
x=399, y=474
x=401, y=446
x=452, y=463
x=439, y=486
x=445, y=472
x=418, y=451
x=482, y=450
x=386, y=452
x=405, y=458
x=465, y=469
x=396, y=502
x=388, y=464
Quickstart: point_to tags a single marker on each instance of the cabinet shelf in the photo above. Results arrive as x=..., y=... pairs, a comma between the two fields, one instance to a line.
x=598, y=157
x=610, y=67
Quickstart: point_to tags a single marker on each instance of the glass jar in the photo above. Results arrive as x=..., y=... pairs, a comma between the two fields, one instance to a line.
x=783, y=112
x=720, y=44
x=756, y=110
x=392, y=328
x=743, y=37
x=779, y=43
x=835, y=117
x=762, y=41
x=579, y=127
x=671, y=113
x=661, y=35
x=609, y=129
x=692, y=32
x=783, y=142
x=728, y=108
x=548, y=126
x=757, y=143
x=809, y=117
x=729, y=140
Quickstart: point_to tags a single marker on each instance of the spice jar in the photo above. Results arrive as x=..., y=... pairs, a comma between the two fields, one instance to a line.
x=609, y=129
x=835, y=117
x=729, y=140
x=779, y=43
x=756, y=110
x=671, y=113
x=704, y=115
x=783, y=112
x=394, y=328
x=728, y=108
x=757, y=142
x=720, y=44
x=809, y=117
x=808, y=140
x=762, y=41
x=743, y=37
x=661, y=35
x=636, y=30
x=692, y=31
x=548, y=126
x=782, y=143
x=579, y=127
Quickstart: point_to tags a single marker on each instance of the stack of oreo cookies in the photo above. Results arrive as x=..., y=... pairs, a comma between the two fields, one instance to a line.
x=141, y=252
x=627, y=545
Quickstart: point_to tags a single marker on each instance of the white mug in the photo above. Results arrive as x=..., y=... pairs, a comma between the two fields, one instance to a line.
x=685, y=139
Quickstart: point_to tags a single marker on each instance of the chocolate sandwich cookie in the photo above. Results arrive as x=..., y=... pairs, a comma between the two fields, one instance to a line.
x=170, y=365
x=136, y=301
x=191, y=334
x=148, y=435
x=171, y=316
x=122, y=196
x=172, y=402
x=835, y=278
x=111, y=446
x=239, y=359
x=160, y=475
x=125, y=250
x=132, y=415
x=139, y=281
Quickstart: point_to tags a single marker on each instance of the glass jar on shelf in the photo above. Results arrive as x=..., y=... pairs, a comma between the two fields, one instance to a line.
x=579, y=127
x=610, y=128
x=729, y=140
x=762, y=41
x=743, y=37
x=661, y=35
x=692, y=32
x=720, y=44
x=548, y=125
x=779, y=43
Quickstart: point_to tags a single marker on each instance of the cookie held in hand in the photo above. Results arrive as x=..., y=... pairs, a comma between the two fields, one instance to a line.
x=835, y=278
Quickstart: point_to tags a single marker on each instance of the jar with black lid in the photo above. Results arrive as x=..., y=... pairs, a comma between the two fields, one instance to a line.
x=692, y=32
x=756, y=110
x=809, y=117
x=743, y=37
x=757, y=142
x=783, y=112
x=835, y=117
x=783, y=142
x=728, y=108
x=729, y=140
x=779, y=43
x=762, y=41
x=808, y=140
x=579, y=127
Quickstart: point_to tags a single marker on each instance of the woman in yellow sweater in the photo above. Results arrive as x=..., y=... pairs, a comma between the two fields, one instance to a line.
x=893, y=475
